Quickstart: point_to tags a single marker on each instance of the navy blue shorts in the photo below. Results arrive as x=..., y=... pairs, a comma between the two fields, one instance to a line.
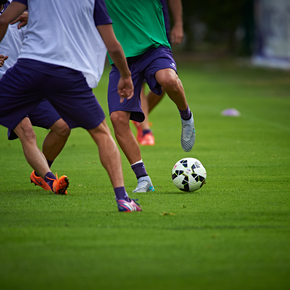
x=44, y=116
x=142, y=67
x=22, y=89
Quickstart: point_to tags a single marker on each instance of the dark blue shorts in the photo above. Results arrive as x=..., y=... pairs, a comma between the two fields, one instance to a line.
x=44, y=116
x=23, y=88
x=142, y=67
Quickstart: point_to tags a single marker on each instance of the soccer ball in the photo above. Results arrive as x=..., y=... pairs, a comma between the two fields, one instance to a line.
x=188, y=174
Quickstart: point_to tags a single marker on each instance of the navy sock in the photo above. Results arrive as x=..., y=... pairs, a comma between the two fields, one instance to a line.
x=146, y=131
x=49, y=164
x=121, y=193
x=49, y=178
x=185, y=114
x=139, y=169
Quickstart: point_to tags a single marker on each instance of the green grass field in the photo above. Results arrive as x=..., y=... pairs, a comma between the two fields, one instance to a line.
x=233, y=233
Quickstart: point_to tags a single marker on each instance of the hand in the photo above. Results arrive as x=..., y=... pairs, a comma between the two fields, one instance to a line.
x=176, y=35
x=23, y=18
x=125, y=89
x=2, y=59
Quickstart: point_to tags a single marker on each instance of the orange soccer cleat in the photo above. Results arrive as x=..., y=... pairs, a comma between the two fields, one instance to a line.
x=60, y=185
x=37, y=180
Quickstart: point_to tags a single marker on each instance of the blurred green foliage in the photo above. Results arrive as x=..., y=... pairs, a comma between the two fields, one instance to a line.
x=228, y=24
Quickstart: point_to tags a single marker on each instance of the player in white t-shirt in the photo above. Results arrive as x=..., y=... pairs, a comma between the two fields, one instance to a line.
x=12, y=41
x=61, y=59
x=44, y=115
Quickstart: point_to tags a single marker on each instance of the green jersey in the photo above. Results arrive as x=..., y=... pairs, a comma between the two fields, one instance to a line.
x=138, y=25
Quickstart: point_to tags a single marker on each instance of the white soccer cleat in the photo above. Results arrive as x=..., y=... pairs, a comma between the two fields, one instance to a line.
x=144, y=185
x=187, y=134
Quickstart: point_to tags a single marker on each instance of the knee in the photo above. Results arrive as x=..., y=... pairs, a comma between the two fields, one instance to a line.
x=29, y=135
x=64, y=131
x=171, y=83
x=25, y=133
x=119, y=119
x=61, y=128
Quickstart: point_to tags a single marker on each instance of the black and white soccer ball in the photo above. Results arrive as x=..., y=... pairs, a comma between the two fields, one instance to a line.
x=188, y=174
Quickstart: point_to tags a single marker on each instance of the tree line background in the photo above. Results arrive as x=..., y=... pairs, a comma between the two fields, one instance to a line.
x=225, y=27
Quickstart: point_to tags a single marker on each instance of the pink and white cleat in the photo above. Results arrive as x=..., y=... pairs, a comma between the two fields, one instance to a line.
x=128, y=206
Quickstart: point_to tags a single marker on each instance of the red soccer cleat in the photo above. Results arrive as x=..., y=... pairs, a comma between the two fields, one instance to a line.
x=147, y=140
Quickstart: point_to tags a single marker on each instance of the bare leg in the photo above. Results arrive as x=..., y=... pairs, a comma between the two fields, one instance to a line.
x=154, y=100
x=169, y=80
x=32, y=153
x=125, y=136
x=55, y=139
x=144, y=107
x=148, y=104
x=144, y=134
x=109, y=153
x=130, y=147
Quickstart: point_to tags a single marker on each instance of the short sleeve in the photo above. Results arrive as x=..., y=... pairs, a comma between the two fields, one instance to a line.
x=101, y=15
x=21, y=1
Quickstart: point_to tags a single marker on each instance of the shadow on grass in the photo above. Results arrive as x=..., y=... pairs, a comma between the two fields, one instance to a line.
x=25, y=192
x=182, y=192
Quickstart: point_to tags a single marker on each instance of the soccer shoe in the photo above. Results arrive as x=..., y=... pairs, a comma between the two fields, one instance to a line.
x=187, y=134
x=128, y=206
x=37, y=180
x=147, y=140
x=144, y=185
x=60, y=185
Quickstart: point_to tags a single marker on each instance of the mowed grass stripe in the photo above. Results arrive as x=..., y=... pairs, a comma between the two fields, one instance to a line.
x=232, y=233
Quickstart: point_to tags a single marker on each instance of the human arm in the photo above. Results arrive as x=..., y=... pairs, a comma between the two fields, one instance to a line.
x=23, y=19
x=176, y=35
x=14, y=10
x=115, y=50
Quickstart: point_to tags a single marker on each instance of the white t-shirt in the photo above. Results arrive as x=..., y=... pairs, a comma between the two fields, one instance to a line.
x=69, y=38
x=10, y=45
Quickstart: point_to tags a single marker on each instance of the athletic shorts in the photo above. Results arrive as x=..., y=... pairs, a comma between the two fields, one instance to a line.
x=43, y=116
x=22, y=88
x=142, y=67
